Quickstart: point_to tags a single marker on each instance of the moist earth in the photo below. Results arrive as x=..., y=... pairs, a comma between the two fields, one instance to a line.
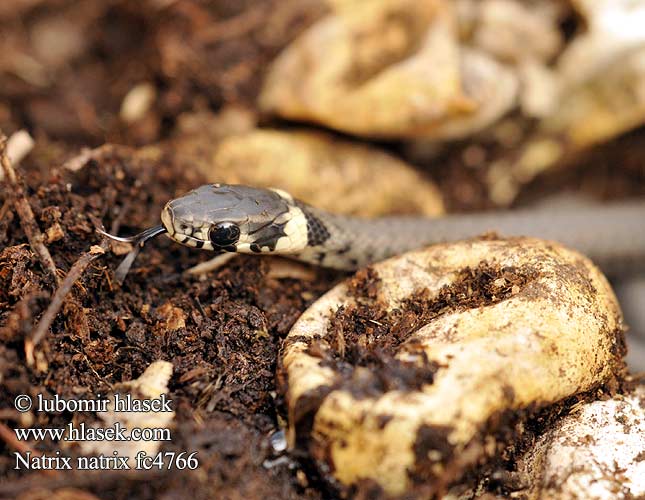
x=222, y=331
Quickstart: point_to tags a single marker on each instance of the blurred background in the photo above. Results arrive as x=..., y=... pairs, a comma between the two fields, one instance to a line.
x=363, y=106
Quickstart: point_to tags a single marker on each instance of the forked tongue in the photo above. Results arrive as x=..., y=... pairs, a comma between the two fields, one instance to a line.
x=138, y=240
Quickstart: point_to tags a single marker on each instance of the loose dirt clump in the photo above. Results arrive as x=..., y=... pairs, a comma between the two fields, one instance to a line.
x=367, y=334
x=221, y=331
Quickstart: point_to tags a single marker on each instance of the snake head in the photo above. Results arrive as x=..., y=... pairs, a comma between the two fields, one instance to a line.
x=234, y=218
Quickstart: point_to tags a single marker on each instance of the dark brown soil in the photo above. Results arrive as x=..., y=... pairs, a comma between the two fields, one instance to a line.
x=198, y=56
x=224, y=356
x=367, y=334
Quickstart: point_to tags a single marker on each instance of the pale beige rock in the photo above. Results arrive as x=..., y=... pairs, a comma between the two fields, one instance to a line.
x=613, y=27
x=513, y=30
x=606, y=105
x=555, y=336
x=389, y=68
x=333, y=174
x=19, y=145
x=597, y=452
x=594, y=111
x=601, y=75
x=594, y=92
x=137, y=102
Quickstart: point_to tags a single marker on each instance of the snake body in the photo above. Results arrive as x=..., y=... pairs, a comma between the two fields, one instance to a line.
x=561, y=327
x=236, y=218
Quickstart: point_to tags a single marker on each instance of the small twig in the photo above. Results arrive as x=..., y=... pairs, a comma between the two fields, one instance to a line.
x=86, y=155
x=25, y=213
x=4, y=209
x=211, y=265
x=9, y=437
x=96, y=374
x=47, y=319
x=65, y=287
x=237, y=26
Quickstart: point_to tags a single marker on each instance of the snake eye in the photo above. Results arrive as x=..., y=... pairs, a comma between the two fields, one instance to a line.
x=224, y=234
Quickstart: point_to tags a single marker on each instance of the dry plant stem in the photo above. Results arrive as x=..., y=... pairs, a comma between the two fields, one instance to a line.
x=81, y=159
x=211, y=265
x=74, y=274
x=9, y=437
x=237, y=26
x=25, y=213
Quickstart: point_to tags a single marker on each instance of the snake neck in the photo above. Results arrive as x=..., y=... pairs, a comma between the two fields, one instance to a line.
x=349, y=243
x=611, y=235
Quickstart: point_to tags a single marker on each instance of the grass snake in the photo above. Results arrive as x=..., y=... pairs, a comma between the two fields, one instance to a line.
x=243, y=219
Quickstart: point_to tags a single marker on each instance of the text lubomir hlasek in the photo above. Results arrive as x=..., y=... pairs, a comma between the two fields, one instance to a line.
x=121, y=403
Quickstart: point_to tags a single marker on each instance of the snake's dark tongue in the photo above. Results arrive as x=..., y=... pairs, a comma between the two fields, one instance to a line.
x=124, y=268
x=138, y=240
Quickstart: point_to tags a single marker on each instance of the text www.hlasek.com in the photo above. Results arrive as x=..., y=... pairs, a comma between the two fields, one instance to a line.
x=138, y=456
x=116, y=432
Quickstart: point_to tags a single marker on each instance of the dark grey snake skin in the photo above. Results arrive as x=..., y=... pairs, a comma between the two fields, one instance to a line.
x=234, y=218
x=612, y=235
